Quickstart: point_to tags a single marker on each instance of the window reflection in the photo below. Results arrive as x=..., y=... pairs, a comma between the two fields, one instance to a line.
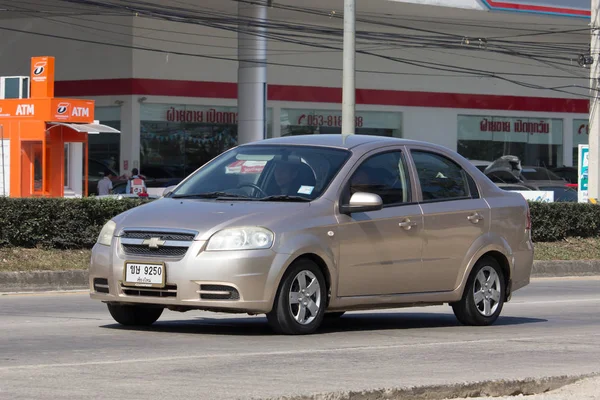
x=175, y=140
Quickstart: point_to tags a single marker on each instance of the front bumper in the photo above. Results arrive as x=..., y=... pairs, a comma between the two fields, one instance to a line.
x=194, y=281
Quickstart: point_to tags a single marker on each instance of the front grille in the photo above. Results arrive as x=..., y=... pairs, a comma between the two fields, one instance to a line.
x=156, y=243
x=101, y=285
x=218, y=292
x=167, y=291
x=141, y=250
x=185, y=237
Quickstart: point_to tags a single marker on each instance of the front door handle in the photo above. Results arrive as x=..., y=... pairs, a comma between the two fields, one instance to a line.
x=475, y=218
x=407, y=224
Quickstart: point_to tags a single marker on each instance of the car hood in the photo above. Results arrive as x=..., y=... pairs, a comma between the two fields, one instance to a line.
x=207, y=216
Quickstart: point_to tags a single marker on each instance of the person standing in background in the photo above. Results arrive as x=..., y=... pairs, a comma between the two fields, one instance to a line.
x=105, y=185
x=136, y=184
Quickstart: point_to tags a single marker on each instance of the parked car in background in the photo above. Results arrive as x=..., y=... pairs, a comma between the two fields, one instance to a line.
x=307, y=227
x=513, y=187
x=508, y=173
x=154, y=186
x=570, y=174
x=96, y=171
x=480, y=164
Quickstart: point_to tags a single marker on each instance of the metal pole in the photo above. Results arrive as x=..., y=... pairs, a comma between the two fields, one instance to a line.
x=252, y=72
x=594, y=139
x=349, y=79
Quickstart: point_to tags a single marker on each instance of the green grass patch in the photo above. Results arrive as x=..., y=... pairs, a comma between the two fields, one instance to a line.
x=569, y=249
x=20, y=259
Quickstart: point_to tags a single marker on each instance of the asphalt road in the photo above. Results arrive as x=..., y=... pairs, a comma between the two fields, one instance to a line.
x=66, y=346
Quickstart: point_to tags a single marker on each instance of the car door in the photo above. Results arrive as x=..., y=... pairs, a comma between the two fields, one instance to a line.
x=380, y=251
x=454, y=218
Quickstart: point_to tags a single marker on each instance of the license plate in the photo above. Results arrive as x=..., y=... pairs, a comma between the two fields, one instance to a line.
x=144, y=274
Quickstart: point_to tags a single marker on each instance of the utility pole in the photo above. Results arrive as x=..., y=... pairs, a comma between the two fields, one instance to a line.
x=252, y=71
x=594, y=138
x=349, y=79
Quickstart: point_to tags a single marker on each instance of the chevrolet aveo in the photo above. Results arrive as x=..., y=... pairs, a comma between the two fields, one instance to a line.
x=308, y=227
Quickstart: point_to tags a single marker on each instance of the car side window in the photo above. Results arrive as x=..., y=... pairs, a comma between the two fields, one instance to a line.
x=383, y=174
x=440, y=177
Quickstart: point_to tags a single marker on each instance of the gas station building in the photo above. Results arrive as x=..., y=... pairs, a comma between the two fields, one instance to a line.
x=170, y=89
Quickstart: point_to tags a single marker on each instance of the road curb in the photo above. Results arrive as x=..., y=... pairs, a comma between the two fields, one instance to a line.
x=495, y=388
x=40, y=281
x=547, y=269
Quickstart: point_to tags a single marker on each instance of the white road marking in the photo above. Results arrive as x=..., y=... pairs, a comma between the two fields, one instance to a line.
x=586, y=300
x=293, y=352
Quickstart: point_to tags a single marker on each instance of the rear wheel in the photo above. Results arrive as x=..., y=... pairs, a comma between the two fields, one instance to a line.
x=484, y=294
x=134, y=315
x=300, y=303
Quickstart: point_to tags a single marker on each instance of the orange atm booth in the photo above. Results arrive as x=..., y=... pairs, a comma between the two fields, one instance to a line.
x=44, y=140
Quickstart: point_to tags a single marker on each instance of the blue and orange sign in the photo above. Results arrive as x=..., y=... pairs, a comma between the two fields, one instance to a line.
x=565, y=8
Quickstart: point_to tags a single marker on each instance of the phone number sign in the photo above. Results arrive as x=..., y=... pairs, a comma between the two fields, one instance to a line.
x=326, y=120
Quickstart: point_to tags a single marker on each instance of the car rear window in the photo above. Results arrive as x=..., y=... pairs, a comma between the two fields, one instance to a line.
x=540, y=174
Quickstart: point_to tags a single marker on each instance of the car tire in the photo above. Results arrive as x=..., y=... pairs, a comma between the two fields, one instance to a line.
x=134, y=315
x=481, y=305
x=287, y=316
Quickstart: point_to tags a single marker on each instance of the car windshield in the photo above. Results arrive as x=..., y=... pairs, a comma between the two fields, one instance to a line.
x=266, y=172
x=539, y=174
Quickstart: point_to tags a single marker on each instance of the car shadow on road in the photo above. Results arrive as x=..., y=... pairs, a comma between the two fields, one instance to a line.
x=257, y=326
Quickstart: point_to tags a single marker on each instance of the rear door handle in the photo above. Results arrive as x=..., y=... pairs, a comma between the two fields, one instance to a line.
x=407, y=224
x=475, y=218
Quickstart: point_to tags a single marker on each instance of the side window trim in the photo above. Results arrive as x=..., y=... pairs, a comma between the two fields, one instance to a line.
x=471, y=183
x=410, y=184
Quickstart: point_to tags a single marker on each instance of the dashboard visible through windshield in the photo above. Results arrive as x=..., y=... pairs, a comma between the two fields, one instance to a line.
x=275, y=172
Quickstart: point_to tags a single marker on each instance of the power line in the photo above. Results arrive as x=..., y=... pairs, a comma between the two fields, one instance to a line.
x=284, y=37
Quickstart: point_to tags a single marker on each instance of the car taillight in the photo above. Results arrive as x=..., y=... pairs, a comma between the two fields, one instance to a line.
x=528, y=225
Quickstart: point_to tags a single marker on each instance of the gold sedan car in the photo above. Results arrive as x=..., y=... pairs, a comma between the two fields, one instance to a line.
x=308, y=227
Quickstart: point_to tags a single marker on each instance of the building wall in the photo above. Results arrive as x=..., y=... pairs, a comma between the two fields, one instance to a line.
x=205, y=42
x=75, y=60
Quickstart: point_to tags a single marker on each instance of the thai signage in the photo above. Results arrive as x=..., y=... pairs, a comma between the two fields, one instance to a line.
x=210, y=116
x=510, y=129
x=189, y=114
x=519, y=125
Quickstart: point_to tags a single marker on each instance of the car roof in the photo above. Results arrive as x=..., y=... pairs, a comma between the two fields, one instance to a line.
x=346, y=142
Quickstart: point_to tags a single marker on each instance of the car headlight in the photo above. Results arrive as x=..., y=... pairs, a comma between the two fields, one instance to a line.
x=106, y=234
x=251, y=238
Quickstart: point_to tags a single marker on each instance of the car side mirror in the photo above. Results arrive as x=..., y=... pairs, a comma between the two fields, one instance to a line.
x=362, y=202
x=168, y=190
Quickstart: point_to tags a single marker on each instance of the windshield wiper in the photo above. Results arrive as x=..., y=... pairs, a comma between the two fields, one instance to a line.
x=211, y=195
x=284, y=198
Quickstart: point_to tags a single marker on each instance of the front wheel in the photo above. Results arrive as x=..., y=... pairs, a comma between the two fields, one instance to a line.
x=301, y=299
x=484, y=294
x=134, y=315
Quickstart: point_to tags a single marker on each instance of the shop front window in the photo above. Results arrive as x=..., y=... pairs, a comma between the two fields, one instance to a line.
x=535, y=141
x=104, y=148
x=176, y=140
x=309, y=122
x=581, y=135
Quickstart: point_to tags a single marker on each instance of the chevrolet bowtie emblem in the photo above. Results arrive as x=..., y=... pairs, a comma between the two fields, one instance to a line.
x=154, y=243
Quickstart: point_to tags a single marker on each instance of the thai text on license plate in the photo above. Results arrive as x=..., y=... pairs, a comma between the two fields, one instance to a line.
x=147, y=275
